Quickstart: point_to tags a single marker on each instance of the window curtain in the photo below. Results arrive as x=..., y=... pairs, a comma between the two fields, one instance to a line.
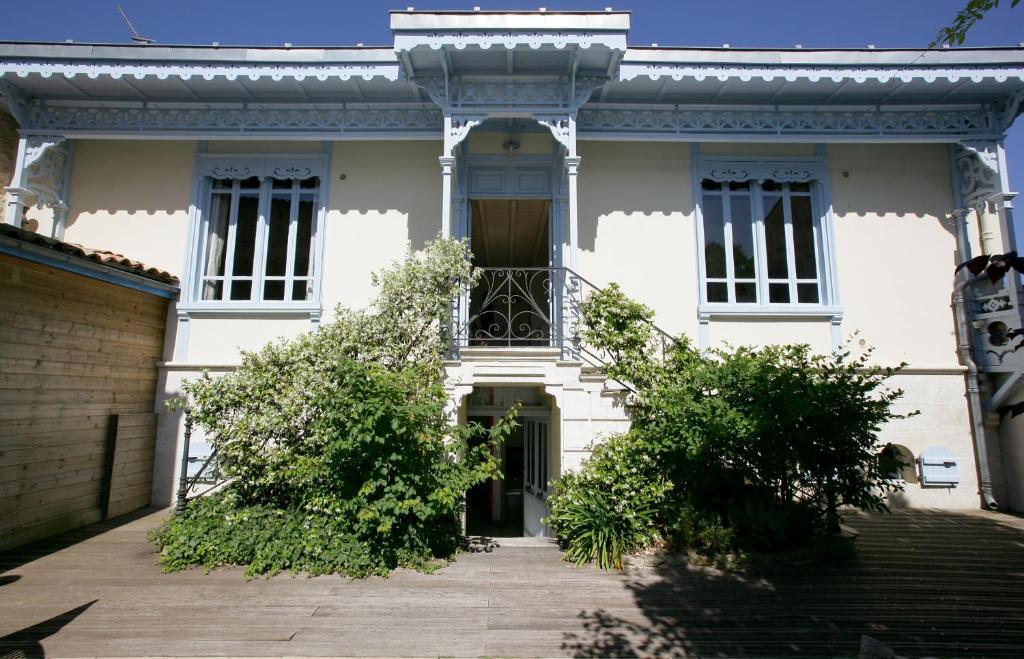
x=216, y=248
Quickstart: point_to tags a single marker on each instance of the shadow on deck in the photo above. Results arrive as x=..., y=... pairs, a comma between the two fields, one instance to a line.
x=924, y=583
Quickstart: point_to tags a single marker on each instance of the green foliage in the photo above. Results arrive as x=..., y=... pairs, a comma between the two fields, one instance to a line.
x=764, y=447
x=955, y=33
x=700, y=530
x=261, y=414
x=611, y=506
x=341, y=455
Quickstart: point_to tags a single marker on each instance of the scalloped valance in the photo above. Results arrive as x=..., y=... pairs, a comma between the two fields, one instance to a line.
x=262, y=166
x=788, y=170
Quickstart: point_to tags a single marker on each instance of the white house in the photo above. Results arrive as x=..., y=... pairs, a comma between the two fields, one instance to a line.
x=749, y=196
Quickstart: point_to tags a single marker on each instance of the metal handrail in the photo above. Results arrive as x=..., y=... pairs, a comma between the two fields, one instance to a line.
x=532, y=306
x=186, y=483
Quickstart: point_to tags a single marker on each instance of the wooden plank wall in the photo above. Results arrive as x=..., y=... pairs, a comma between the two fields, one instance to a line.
x=73, y=351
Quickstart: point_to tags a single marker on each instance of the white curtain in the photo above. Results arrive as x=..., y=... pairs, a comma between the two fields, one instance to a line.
x=215, y=248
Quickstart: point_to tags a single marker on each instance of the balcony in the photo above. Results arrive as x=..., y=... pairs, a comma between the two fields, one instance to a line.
x=521, y=308
x=527, y=307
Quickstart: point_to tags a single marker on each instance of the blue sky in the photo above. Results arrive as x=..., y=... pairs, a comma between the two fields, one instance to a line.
x=778, y=23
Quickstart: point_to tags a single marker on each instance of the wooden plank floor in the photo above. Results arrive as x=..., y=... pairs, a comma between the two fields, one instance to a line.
x=925, y=583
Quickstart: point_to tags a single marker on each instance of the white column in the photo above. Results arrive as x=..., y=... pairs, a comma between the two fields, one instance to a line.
x=572, y=169
x=447, y=168
x=16, y=192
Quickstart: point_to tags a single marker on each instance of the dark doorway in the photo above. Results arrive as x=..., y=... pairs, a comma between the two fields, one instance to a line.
x=495, y=508
x=510, y=239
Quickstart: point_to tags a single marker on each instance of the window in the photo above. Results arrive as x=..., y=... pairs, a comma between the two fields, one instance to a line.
x=260, y=226
x=763, y=239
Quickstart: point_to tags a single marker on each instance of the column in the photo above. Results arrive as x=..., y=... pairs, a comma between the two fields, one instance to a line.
x=17, y=193
x=572, y=169
x=447, y=169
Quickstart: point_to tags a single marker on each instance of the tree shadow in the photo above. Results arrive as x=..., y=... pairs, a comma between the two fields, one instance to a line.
x=923, y=583
x=26, y=643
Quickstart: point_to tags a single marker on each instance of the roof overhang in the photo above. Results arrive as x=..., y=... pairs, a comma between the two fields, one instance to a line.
x=813, y=77
x=508, y=64
x=457, y=43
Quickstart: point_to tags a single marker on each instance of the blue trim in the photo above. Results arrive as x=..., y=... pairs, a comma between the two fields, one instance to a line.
x=96, y=271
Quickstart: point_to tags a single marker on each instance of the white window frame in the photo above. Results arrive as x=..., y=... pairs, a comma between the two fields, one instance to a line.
x=210, y=166
x=800, y=169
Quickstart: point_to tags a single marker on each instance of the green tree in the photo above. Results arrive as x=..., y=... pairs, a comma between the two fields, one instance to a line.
x=749, y=448
x=339, y=451
x=955, y=33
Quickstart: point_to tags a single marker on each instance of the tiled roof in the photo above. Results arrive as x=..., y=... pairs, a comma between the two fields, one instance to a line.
x=107, y=258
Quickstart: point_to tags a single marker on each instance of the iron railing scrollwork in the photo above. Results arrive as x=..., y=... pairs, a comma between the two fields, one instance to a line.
x=531, y=307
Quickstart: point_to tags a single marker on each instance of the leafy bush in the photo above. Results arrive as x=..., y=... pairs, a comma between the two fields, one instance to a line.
x=764, y=447
x=611, y=506
x=341, y=456
x=262, y=414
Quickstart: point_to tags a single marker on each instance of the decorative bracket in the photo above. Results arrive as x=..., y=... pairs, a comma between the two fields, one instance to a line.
x=561, y=130
x=457, y=129
x=18, y=102
x=437, y=89
x=583, y=89
x=1008, y=109
x=977, y=168
x=42, y=180
x=45, y=169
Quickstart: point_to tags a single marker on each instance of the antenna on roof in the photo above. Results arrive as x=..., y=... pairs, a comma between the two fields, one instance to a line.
x=136, y=37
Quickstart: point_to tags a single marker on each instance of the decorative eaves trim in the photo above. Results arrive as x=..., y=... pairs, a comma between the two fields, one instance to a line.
x=815, y=74
x=508, y=40
x=397, y=119
x=944, y=124
x=139, y=71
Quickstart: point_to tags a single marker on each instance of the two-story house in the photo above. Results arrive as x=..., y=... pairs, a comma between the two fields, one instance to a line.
x=749, y=196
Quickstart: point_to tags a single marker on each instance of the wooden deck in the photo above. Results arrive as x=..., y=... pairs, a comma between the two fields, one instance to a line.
x=925, y=583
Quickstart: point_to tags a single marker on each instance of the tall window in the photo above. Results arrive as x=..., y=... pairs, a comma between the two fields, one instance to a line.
x=762, y=242
x=260, y=239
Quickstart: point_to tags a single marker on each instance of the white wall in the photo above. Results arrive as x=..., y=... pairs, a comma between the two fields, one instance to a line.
x=896, y=249
x=390, y=198
x=636, y=226
x=132, y=197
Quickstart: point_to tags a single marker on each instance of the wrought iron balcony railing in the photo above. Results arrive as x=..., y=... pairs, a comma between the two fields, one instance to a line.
x=530, y=307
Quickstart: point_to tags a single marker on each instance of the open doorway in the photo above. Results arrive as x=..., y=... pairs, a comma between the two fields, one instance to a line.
x=510, y=233
x=515, y=504
x=510, y=240
x=495, y=508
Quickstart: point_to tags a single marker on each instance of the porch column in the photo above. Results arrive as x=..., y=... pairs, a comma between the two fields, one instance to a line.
x=572, y=169
x=17, y=193
x=447, y=168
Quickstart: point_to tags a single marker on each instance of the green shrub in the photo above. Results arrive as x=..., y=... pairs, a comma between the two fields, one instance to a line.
x=611, y=506
x=700, y=530
x=764, y=447
x=341, y=454
x=263, y=413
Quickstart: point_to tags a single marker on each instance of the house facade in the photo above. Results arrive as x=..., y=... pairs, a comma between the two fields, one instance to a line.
x=747, y=196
